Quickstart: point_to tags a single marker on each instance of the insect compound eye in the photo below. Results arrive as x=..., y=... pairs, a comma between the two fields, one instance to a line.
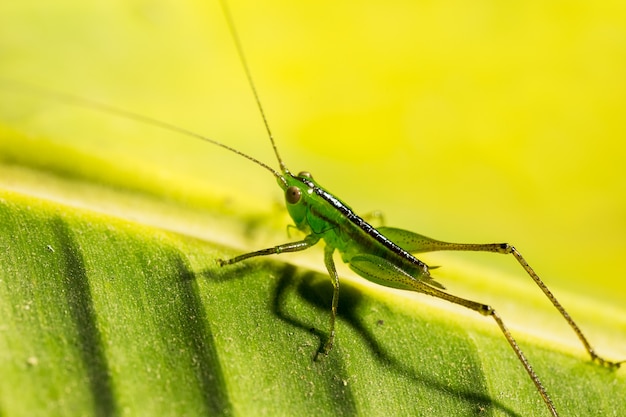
x=293, y=195
x=305, y=174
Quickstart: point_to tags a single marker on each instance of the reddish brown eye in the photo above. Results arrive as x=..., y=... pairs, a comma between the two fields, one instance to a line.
x=293, y=195
x=305, y=174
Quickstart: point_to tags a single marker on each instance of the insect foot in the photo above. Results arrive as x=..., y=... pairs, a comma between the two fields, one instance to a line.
x=606, y=363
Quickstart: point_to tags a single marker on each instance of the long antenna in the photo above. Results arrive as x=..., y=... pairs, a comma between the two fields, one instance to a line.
x=106, y=108
x=246, y=68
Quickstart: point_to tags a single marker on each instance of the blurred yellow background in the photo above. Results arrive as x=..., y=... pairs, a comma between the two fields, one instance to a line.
x=465, y=121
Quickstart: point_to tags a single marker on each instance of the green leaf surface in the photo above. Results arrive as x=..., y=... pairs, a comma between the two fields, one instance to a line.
x=107, y=317
x=111, y=301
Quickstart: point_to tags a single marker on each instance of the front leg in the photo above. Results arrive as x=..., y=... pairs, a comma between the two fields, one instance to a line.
x=301, y=245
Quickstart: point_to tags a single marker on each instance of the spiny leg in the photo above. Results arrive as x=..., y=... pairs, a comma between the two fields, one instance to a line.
x=487, y=310
x=506, y=249
x=416, y=243
x=300, y=245
x=330, y=266
x=594, y=356
x=332, y=272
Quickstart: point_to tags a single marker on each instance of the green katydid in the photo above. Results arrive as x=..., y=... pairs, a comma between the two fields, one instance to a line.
x=384, y=255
